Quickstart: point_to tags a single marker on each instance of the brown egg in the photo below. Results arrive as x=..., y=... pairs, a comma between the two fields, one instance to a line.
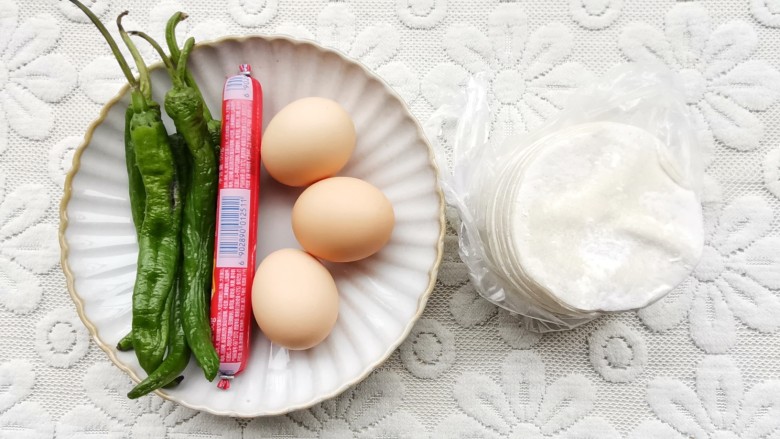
x=342, y=219
x=294, y=299
x=308, y=140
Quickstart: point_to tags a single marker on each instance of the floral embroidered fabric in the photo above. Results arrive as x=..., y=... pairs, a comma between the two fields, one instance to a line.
x=704, y=362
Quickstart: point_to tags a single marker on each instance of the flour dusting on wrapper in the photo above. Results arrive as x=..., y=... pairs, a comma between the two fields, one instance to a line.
x=236, y=239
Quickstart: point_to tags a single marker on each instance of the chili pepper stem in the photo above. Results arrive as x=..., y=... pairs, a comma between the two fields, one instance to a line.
x=181, y=66
x=111, y=43
x=173, y=47
x=145, y=83
x=169, y=66
x=170, y=34
x=137, y=101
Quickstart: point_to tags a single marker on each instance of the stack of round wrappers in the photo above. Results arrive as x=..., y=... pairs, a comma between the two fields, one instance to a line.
x=590, y=219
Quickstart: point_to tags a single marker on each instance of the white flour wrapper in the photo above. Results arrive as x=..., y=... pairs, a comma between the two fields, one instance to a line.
x=597, y=211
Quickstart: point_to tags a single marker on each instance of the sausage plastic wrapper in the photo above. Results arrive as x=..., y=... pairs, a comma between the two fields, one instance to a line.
x=236, y=234
x=648, y=97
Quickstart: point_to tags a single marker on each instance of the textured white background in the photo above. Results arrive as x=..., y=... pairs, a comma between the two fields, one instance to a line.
x=705, y=362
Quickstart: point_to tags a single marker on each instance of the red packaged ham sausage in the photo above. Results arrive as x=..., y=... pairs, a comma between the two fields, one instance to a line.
x=236, y=234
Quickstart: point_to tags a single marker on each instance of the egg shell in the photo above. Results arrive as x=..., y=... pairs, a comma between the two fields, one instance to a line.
x=342, y=219
x=308, y=140
x=294, y=299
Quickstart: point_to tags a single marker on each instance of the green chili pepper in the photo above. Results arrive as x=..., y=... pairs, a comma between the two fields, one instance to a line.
x=185, y=108
x=158, y=236
x=179, y=149
x=158, y=245
x=178, y=354
x=184, y=105
x=158, y=239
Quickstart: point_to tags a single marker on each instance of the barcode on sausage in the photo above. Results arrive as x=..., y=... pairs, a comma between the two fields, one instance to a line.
x=228, y=219
x=233, y=228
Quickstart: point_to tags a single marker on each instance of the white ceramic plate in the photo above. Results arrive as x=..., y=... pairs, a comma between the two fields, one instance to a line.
x=381, y=297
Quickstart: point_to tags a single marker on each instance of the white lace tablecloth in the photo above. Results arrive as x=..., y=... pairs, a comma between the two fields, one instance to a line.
x=704, y=362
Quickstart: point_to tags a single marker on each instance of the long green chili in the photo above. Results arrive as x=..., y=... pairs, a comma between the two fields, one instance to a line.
x=185, y=107
x=158, y=242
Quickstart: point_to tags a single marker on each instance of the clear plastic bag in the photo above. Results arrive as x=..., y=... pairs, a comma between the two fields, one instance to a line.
x=642, y=96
